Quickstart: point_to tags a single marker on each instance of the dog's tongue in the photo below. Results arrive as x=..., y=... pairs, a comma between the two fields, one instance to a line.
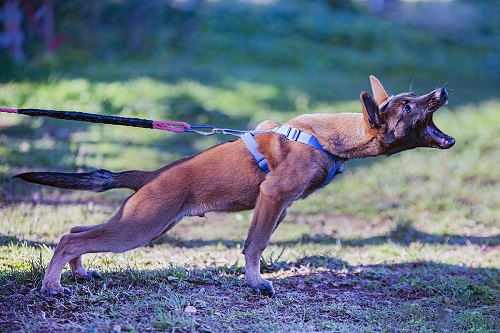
x=435, y=135
x=444, y=140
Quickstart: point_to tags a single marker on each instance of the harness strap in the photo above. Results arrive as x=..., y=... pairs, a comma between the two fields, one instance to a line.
x=253, y=146
x=294, y=134
x=304, y=137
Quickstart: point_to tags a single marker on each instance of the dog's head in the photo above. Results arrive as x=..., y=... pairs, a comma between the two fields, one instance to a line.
x=404, y=121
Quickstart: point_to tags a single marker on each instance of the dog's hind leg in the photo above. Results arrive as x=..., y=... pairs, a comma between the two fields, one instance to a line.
x=82, y=228
x=138, y=221
x=76, y=265
x=79, y=272
x=113, y=236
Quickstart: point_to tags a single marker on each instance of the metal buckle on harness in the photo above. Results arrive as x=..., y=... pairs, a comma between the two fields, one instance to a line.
x=293, y=133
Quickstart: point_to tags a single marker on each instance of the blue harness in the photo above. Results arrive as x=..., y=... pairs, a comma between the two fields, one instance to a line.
x=296, y=135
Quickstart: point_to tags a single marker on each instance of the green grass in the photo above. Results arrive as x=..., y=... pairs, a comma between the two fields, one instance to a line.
x=408, y=243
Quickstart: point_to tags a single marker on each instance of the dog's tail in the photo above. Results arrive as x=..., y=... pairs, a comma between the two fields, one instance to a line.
x=95, y=181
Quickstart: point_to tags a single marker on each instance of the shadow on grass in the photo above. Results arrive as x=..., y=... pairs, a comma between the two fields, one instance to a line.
x=403, y=235
x=412, y=236
x=336, y=293
x=15, y=241
x=400, y=235
x=410, y=280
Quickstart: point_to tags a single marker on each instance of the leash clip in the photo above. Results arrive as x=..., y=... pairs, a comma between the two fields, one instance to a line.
x=205, y=130
x=208, y=130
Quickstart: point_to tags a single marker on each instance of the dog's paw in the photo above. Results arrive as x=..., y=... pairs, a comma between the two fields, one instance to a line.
x=88, y=275
x=55, y=290
x=263, y=288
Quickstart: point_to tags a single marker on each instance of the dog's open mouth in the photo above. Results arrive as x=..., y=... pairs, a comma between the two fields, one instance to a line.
x=442, y=140
x=439, y=97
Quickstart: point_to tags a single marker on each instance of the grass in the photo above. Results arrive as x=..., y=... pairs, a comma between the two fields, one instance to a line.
x=408, y=243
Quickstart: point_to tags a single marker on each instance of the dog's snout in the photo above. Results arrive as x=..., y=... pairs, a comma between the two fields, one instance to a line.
x=441, y=93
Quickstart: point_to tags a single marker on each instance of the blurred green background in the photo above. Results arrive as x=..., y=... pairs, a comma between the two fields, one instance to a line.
x=324, y=48
x=230, y=63
x=409, y=243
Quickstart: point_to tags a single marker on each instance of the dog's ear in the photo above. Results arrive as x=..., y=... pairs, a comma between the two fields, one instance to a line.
x=379, y=92
x=371, y=111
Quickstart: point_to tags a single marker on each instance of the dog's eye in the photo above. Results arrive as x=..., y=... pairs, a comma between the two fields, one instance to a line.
x=406, y=108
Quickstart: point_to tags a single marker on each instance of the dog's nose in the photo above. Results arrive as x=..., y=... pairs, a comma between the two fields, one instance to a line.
x=441, y=93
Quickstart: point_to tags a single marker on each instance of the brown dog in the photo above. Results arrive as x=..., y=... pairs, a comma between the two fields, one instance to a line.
x=226, y=178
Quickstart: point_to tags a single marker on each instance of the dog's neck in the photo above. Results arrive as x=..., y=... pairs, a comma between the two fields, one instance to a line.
x=342, y=134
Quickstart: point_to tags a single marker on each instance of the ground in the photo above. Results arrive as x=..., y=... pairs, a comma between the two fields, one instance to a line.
x=407, y=243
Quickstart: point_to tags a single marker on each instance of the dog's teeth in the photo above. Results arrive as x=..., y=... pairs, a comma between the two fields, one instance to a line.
x=446, y=103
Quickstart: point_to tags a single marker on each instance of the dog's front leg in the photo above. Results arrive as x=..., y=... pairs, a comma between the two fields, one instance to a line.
x=269, y=210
